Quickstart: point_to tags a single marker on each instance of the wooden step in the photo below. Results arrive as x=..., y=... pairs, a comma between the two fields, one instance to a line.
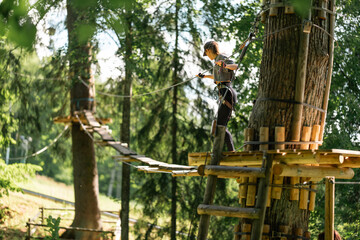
x=231, y=171
x=215, y=210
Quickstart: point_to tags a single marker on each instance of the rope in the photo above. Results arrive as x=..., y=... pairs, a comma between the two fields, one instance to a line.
x=292, y=102
x=43, y=149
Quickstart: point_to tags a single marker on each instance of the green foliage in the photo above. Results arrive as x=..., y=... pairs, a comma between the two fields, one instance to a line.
x=53, y=228
x=301, y=7
x=15, y=23
x=14, y=173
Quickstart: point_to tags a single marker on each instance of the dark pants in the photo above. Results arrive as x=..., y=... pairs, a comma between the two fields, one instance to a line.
x=224, y=114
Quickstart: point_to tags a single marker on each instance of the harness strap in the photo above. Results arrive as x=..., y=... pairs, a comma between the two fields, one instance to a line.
x=219, y=82
x=229, y=105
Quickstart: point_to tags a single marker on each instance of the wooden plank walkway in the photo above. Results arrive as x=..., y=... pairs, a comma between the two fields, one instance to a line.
x=153, y=165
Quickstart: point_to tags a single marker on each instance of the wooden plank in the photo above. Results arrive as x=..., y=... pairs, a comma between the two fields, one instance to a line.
x=104, y=134
x=69, y=119
x=185, y=173
x=313, y=171
x=230, y=171
x=332, y=156
x=91, y=119
x=215, y=210
x=121, y=149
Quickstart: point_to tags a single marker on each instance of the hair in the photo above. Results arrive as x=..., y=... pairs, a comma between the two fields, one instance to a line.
x=213, y=46
x=336, y=236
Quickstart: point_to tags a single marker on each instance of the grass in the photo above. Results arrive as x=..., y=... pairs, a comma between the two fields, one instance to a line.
x=19, y=207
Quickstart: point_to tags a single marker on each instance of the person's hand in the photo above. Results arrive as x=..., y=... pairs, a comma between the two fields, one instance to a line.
x=200, y=75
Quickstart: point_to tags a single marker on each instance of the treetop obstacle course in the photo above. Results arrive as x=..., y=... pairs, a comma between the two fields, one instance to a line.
x=281, y=165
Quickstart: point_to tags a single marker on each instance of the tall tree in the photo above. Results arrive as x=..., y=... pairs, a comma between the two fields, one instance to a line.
x=80, y=24
x=174, y=126
x=291, y=56
x=125, y=125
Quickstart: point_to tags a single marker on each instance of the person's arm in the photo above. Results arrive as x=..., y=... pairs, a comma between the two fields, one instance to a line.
x=232, y=66
x=205, y=76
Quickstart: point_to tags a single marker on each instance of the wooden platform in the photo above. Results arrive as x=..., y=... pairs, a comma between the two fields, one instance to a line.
x=336, y=157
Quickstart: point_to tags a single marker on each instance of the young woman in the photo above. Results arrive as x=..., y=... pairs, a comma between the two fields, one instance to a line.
x=223, y=74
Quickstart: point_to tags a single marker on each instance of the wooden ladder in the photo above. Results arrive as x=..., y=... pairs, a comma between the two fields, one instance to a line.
x=206, y=209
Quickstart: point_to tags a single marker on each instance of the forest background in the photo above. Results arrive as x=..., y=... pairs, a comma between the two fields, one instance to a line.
x=35, y=89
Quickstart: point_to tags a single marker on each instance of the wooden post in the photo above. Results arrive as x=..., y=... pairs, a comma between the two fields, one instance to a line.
x=264, y=137
x=315, y=136
x=258, y=224
x=211, y=181
x=304, y=195
x=305, y=137
x=263, y=13
x=294, y=192
x=250, y=137
x=329, y=208
x=300, y=82
x=28, y=229
x=42, y=215
x=246, y=228
x=237, y=229
x=279, y=137
x=285, y=230
x=298, y=232
x=312, y=197
x=273, y=10
x=330, y=68
x=322, y=13
x=251, y=189
x=266, y=232
x=289, y=9
x=251, y=192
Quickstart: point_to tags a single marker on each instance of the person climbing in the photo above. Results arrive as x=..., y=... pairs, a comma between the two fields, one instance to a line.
x=223, y=74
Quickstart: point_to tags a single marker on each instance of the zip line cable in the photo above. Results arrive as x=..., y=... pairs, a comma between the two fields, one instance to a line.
x=45, y=148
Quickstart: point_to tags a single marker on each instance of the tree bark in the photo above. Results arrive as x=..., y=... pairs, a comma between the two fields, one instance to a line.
x=278, y=74
x=87, y=212
x=125, y=129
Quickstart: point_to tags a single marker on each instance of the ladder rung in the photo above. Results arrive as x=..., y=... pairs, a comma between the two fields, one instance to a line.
x=251, y=213
x=231, y=171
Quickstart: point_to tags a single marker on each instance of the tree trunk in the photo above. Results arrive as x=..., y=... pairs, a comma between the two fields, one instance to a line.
x=125, y=130
x=174, y=123
x=87, y=212
x=278, y=76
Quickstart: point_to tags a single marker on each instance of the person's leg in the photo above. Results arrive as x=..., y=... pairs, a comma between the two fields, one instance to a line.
x=224, y=115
